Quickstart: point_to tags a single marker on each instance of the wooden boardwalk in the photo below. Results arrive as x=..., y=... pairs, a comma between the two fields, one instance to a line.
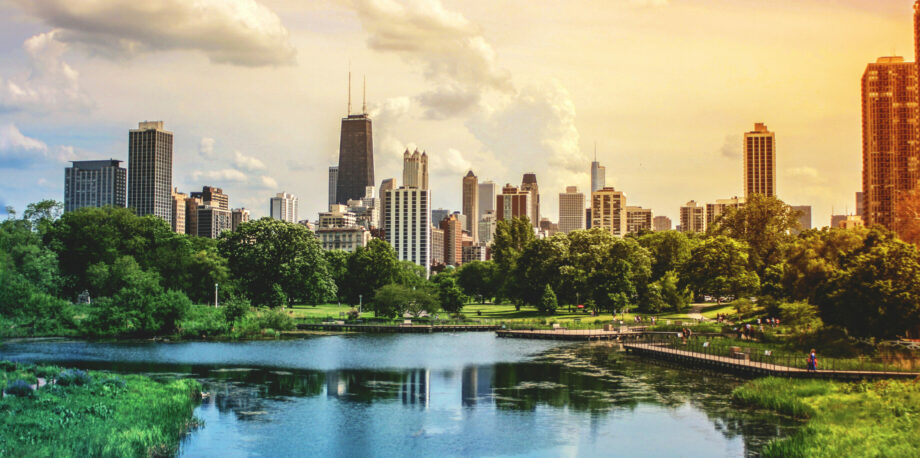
x=745, y=367
x=583, y=335
x=380, y=328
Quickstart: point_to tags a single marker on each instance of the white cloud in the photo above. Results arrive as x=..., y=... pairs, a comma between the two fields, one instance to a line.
x=269, y=182
x=452, y=51
x=248, y=163
x=206, y=147
x=11, y=139
x=52, y=85
x=449, y=163
x=240, y=32
x=731, y=148
x=231, y=175
x=806, y=173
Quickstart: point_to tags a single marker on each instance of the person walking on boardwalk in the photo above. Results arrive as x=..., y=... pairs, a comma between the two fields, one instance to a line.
x=812, y=361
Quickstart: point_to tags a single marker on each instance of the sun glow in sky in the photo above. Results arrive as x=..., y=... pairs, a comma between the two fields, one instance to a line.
x=254, y=91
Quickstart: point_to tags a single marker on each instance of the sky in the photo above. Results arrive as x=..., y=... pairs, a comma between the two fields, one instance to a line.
x=254, y=91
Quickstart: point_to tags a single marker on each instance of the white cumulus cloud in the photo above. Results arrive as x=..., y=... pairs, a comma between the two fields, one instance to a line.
x=269, y=182
x=239, y=32
x=52, y=84
x=11, y=139
x=241, y=161
x=206, y=147
x=231, y=175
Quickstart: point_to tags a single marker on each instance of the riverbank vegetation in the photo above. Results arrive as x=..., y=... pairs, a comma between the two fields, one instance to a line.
x=104, y=272
x=844, y=419
x=49, y=411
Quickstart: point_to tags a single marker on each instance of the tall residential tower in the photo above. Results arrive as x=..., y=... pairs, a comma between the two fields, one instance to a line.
x=150, y=155
x=471, y=205
x=759, y=162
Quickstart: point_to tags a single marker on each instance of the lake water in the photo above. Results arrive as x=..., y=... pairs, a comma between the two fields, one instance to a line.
x=467, y=394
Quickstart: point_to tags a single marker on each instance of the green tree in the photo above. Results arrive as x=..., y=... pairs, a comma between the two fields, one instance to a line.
x=548, y=302
x=668, y=250
x=876, y=292
x=765, y=224
x=395, y=300
x=609, y=273
x=811, y=261
x=542, y=263
x=479, y=279
x=338, y=269
x=369, y=269
x=719, y=266
x=449, y=293
x=278, y=263
x=509, y=241
x=672, y=295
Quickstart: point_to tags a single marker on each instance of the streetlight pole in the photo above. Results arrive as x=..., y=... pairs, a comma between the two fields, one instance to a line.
x=215, y=295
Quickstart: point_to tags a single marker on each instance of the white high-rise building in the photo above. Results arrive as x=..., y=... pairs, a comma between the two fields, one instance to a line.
x=571, y=210
x=598, y=176
x=487, y=228
x=284, y=207
x=487, y=191
x=407, y=213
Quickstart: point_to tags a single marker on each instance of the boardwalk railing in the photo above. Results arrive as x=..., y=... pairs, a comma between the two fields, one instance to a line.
x=762, y=356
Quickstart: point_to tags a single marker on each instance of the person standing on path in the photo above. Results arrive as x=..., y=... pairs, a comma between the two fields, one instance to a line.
x=812, y=361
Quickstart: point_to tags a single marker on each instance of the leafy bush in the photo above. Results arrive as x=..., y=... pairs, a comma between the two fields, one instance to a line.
x=202, y=321
x=19, y=387
x=235, y=308
x=72, y=377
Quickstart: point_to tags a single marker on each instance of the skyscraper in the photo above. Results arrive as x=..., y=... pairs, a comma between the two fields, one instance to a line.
x=213, y=196
x=150, y=155
x=529, y=184
x=213, y=220
x=385, y=185
x=284, y=207
x=571, y=210
x=598, y=174
x=191, y=215
x=94, y=184
x=333, y=179
x=692, y=217
x=889, y=131
x=415, y=169
x=487, y=227
x=238, y=216
x=512, y=203
x=453, y=249
x=859, y=204
x=178, y=211
x=486, y=198
x=471, y=204
x=608, y=211
x=759, y=161
x=356, y=155
x=407, y=223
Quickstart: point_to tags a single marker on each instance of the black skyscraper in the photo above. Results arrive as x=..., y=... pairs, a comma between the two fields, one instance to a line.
x=356, y=158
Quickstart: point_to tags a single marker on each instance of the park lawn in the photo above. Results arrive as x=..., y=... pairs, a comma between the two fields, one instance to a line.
x=844, y=419
x=326, y=311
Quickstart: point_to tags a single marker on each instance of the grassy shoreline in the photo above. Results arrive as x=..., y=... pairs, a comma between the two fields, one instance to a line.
x=76, y=413
x=844, y=419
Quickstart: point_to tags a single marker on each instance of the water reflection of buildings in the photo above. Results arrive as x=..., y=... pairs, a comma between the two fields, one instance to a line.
x=476, y=384
x=411, y=386
x=416, y=389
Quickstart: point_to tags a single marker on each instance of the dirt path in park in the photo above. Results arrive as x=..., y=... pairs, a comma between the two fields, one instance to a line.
x=695, y=311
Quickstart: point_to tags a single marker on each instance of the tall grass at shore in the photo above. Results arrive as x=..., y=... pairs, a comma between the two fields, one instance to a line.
x=844, y=419
x=74, y=413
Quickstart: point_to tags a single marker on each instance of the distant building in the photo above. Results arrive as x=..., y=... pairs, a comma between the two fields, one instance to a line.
x=213, y=196
x=150, y=157
x=94, y=184
x=438, y=215
x=851, y=222
x=598, y=175
x=284, y=207
x=529, y=184
x=367, y=209
x=191, y=215
x=716, y=210
x=638, y=219
x=487, y=192
x=804, y=216
x=178, y=211
x=571, y=210
x=661, y=223
x=692, y=217
x=512, y=203
x=475, y=252
x=471, y=204
x=608, y=211
x=407, y=214
x=386, y=185
x=337, y=216
x=891, y=166
x=547, y=227
x=588, y=218
x=238, y=216
x=453, y=233
x=212, y=221
x=837, y=220
x=333, y=182
x=356, y=158
x=343, y=238
x=759, y=162
x=860, y=205
x=437, y=247
x=487, y=227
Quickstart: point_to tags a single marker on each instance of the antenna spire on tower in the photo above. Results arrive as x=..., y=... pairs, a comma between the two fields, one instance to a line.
x=595, y=150
x=349, y=90
x=364, y=96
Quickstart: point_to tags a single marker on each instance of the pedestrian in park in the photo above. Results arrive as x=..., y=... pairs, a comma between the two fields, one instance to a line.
x=812, y=361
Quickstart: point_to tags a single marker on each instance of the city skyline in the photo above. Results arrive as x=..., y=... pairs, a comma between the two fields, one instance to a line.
x=278, y=131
